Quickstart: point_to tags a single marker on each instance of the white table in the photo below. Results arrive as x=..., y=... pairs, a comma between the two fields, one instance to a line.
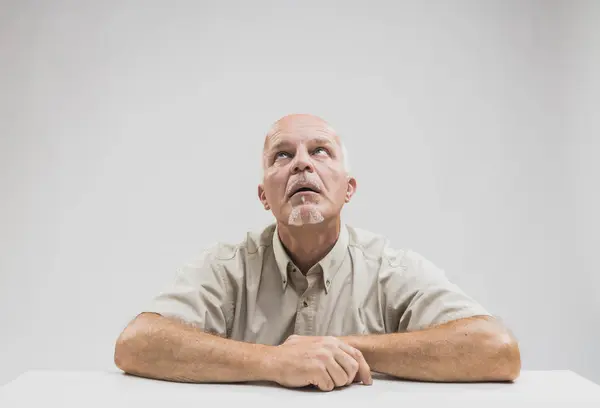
x=115, y=389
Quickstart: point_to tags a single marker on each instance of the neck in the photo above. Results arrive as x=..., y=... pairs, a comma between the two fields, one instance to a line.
x=308, y=244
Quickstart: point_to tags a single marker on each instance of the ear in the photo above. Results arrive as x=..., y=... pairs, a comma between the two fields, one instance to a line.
x=262, y=197
x=350, y=189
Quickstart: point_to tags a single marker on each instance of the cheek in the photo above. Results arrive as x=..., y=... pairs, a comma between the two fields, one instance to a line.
x=337, y=186
x=341, y=195
x=274, y=188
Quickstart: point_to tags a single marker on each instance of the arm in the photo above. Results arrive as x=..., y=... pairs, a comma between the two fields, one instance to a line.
x=173, y=340
x=157, y=347
x=470, y=349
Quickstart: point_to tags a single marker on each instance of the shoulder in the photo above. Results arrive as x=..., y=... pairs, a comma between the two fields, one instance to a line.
x=229, y=261
x=379, y=248
x=375, y=246
x=253, y=243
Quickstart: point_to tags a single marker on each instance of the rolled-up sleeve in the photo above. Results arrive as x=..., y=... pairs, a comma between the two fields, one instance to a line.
x=199, y=295
x=420, y=295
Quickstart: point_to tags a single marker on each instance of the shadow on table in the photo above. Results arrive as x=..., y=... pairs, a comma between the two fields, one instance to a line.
x=415, y=385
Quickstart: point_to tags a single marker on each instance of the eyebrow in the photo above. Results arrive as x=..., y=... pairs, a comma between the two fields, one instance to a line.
x=285, y=143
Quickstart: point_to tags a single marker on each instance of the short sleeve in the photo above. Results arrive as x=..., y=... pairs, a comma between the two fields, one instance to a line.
x=421, y=295
x=198, y=295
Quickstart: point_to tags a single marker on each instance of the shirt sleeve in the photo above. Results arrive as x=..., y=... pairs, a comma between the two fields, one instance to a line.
x=198, y=295
x=422, y=296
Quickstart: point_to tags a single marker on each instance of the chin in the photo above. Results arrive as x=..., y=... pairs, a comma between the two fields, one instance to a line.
x=305, y=215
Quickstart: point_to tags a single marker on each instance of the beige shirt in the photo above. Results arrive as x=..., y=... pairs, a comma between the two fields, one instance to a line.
x=253, y=292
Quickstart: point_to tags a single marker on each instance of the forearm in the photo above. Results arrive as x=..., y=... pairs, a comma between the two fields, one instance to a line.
x=474, y=349
x=157, y=347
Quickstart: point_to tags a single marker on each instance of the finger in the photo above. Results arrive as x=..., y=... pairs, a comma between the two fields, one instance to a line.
x=348, y=363
x=336, y=372
x=364, y=371
x=323, y=380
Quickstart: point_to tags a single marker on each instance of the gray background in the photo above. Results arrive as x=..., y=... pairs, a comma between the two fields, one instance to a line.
x=130, y=135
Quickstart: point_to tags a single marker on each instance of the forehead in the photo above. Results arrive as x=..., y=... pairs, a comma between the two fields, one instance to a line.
x=291, y=134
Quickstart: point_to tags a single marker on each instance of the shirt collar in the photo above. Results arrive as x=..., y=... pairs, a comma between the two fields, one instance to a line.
x=330, y=263
x=281, y=257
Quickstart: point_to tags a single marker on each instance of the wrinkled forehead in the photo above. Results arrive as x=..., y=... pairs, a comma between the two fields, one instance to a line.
x=300, y=131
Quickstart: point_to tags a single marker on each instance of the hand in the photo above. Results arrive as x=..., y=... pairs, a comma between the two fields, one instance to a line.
x=326, y=362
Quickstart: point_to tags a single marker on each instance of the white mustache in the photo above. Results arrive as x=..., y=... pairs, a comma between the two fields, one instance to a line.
x=303, y=182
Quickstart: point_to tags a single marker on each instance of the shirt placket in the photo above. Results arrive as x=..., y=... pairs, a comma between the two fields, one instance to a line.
x=307, y=303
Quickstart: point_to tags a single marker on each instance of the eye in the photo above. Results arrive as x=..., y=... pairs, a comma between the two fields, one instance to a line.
x=320, y=150
x=280, y=155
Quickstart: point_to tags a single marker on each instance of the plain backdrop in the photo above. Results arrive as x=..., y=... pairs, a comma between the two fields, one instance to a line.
x=131, y=131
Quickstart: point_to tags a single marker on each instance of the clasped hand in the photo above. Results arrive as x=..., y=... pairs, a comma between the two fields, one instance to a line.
x=325, y=362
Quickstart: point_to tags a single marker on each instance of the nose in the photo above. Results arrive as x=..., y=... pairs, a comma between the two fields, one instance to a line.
x=302, y=162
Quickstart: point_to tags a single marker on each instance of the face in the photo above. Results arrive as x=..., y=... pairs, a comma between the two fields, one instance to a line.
x=304, y=177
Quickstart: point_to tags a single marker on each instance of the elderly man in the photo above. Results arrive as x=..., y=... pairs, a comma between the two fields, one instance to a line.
x=310, y=300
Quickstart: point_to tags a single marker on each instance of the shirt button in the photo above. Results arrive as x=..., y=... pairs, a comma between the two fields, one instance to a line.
x=284, y=281
x=327, y=283
x=305, y=303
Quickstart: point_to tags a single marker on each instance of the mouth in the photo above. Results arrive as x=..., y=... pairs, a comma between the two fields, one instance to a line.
x=304, y=190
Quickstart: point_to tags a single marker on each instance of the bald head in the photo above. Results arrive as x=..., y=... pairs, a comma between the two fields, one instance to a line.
x=302, y=123
x=298, y=122
x=305, y=171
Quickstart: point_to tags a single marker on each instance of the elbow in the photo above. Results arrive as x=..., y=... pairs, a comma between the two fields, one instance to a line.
x=129, y=345
x=123, y=356
x=506, y=357
x=513, y=361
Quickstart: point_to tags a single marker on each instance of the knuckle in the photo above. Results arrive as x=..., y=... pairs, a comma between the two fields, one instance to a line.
x=322, y=355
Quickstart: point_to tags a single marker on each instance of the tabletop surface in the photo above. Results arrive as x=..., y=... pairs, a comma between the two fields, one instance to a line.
x=116, y=389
